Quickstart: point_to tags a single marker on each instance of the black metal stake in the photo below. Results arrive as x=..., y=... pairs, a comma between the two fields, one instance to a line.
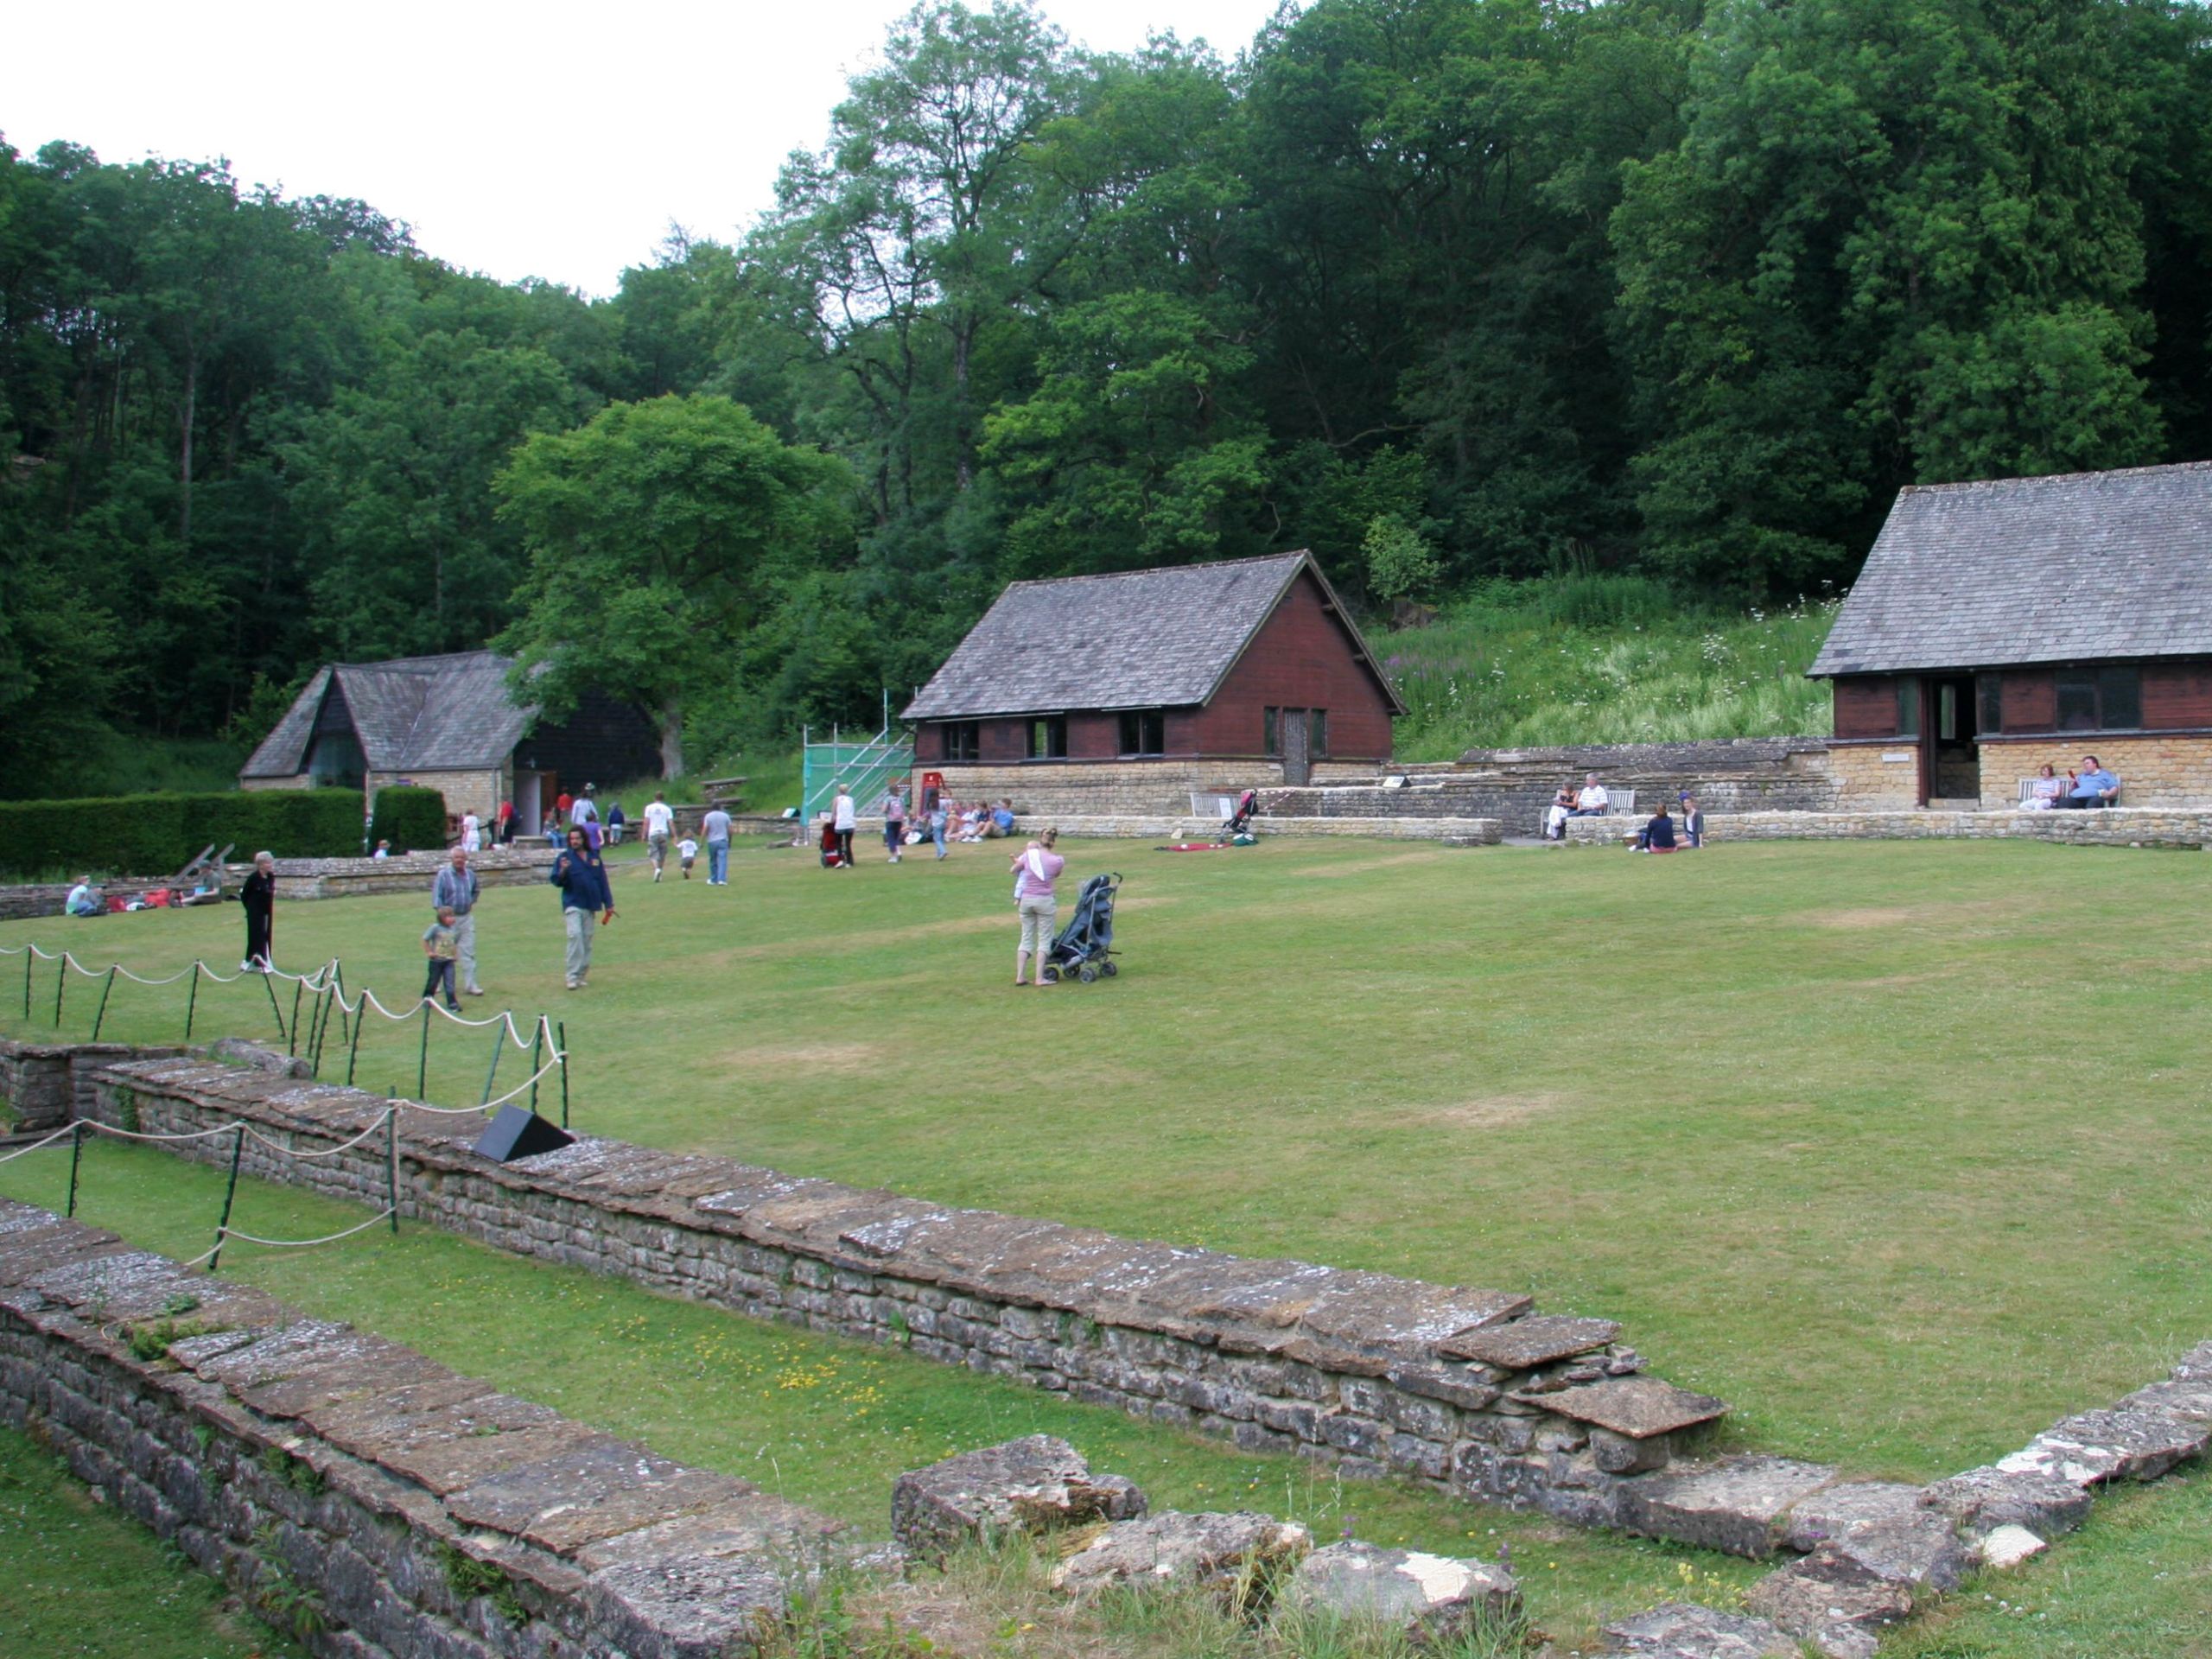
x=61, y=984
x=536, y=1060
x=391, y=1164
x=101, y=1016
x=499, y=1042
x=30, y=959
x=230, y=1192
x=76, y=1152
x=561, y=1038
x=192, y=1000
x=423, y=1059
x=267, y=975
x=292, y=1037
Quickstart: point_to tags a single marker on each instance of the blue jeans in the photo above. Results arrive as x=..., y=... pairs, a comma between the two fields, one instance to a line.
x=718, y=860
x=936, y=834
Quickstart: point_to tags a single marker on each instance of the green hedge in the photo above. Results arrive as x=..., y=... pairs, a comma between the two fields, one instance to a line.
x=154, y=835
x=411, y=818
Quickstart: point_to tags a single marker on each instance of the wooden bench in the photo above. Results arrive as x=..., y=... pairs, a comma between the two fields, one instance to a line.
x=2027, y=792
x=728, y=793
x=1619, y=803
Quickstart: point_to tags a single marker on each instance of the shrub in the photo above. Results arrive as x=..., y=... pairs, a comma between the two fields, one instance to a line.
x=154, y=834
x=411, y=818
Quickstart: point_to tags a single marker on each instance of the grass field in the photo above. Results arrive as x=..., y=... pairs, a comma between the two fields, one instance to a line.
x=1898, y=1147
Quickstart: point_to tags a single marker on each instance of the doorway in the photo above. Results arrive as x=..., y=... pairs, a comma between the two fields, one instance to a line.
x=1297, y=738
x=1950, y=760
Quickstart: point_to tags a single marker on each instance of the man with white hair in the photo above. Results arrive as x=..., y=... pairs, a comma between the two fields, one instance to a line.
x=258, y=899
x=1591, y=801
x=455, y=889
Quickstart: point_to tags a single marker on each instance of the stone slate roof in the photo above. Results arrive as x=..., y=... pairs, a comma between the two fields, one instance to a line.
x=2075, y=567
x=412, y=714
x=1138, y=640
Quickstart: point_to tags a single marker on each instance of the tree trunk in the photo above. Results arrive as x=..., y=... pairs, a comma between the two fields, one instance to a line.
x=671, y=740
x=184, y=454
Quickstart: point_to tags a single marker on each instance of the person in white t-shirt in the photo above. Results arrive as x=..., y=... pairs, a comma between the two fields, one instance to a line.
x=844, y=819
x=687, y=850
x=472, y=833
x=1591, y=801
x=660, y=824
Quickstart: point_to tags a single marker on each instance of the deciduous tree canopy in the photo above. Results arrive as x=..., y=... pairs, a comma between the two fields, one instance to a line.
x=1442, y=288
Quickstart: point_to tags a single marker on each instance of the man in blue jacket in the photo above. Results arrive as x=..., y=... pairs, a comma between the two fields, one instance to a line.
x=587, y=899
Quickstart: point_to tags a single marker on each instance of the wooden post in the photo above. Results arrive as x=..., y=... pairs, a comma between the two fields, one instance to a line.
x=423, y=1059
x=560, y=1039
x=230, y=1193
x=192, y=1000
x=102, y=1015
x=76, y=1152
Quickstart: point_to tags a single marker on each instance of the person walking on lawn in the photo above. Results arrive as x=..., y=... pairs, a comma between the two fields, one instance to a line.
x=455, y=889
x=586, y=901
x=714, y=829
x=258, y=899
x=844, y=819
x=1035, y=869
x=660, y=825
x=894, y=822
x=438, y=944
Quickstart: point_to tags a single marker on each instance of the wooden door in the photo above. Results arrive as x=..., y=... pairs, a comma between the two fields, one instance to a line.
x=1297, y=748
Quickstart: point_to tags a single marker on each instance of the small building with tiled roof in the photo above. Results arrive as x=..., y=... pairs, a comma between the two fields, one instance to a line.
x=2007, y=623
x=447, y=722
x=1235, y=673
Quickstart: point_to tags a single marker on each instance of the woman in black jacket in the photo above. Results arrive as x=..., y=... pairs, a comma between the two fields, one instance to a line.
x=260, y=902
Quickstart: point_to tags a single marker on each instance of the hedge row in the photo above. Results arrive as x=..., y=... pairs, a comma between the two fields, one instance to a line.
x=156, y=835
x=412, y=818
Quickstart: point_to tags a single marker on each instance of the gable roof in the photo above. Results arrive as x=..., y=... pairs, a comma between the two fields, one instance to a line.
x=411, y=714
x=1137, y=639
x=2071, y=568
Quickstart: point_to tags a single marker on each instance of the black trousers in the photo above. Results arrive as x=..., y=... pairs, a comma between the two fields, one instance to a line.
x=258, y=926
x=845, y=845
x=440, y=974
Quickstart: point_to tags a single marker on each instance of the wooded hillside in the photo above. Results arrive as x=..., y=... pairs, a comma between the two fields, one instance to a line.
x=1445, y=290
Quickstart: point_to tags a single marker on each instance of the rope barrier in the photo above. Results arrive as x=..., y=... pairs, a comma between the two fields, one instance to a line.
x=230, y=1232
x=67, y=1129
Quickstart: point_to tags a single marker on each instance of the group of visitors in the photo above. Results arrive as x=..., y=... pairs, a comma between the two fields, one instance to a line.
x=1664, y=833
x=939, y=820
x=2092, y=787
x=1591, y=801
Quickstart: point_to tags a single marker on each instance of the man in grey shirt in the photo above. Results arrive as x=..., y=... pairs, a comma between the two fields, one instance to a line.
x=714, y=830
x=456, y=890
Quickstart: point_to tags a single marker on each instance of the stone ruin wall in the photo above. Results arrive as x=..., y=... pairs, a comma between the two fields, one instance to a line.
x=363, y=1495
x=2121, y=826
x=1465, y=1389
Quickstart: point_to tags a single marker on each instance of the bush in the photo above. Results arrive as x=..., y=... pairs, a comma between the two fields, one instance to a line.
x=154, y=835
x=411, y=818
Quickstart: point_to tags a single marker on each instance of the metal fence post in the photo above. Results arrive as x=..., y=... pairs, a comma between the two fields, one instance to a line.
x=536, y=1060
x=292, y=1037
x=61, y=984
x=101, y=1017
x=267, y=975
x=561, y=1040
x=29, y=958
x=192, y=1000
x=76, y=1152
x=499, y=1045
x=230, y=1192
x=391, y=1164
x=423, y=1059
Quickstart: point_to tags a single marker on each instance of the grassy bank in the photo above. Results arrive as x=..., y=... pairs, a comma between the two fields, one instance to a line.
x=1602, y=659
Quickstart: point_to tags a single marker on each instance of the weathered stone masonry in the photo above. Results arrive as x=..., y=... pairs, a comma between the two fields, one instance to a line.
x=408, y=1510
x=1465, y=1389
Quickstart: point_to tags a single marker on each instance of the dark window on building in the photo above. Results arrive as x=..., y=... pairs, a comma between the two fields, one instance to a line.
x=964, y=739
x=1907, y=706
x=1271, y=731
x=1144, y=731
x=2099, y=700
x=1316, y=732
x=1990, y=690
x=1048, y=738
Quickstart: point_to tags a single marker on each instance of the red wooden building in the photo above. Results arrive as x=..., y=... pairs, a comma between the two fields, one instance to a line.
x=1244, y=671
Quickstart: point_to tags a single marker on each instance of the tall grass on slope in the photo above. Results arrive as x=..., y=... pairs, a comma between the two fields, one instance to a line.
x=1603, y=659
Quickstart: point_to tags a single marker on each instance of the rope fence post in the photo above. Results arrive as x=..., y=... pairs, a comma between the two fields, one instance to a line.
x=422, y=1058
x=292, y=1037
x=560, y=1040
x=273, y=1008
x=536, y=1060
x=192, y=1000
x=230, y=1192
x=353, y=1048
x=76, y=1152
x=98, y=1018
x=391, y=1164
x=61, y=984
x=29, y=957
x=498, y=1043
x=338, y=989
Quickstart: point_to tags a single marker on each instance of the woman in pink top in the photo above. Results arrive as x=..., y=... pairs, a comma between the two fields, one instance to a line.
x=1035, y=869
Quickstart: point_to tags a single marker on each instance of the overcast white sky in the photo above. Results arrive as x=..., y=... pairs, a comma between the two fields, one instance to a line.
x=553, y=140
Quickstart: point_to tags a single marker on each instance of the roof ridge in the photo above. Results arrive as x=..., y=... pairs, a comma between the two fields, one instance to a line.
x=2057, y=477
x=1155, y=570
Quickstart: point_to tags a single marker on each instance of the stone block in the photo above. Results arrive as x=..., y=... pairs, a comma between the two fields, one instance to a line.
x=1617, y=1454
x=1524, y=1343
x=1032, y=1485
x=1832, y=1601
x=1432, y=1598
x=1735, y=1505
x=2095, y=1446
x=1885, y=1527
x=2008, y=1545
x=1215, y=1550
x=1982, y=1500
x=1635, y=1406
x=1685, y=1631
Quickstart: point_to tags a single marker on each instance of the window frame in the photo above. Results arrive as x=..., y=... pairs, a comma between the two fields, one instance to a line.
x=964, y=739
x=1053, y=730
x=1270, y=731
x=2097, y=692
x=1133, y=723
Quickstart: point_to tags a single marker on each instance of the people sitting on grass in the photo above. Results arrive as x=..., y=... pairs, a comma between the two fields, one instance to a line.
x=85, y=900
x=2045, y=789
x=2092, y=787
x=1557, y=814
x=1000, y=820
x=1592, y=801
x=1657, y=835
x=971, y=823
x=1692, y=822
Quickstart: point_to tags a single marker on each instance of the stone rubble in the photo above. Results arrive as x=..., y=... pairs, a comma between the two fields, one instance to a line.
x=1227, y=1552
x=1432, y=1598
x=1038, y=1484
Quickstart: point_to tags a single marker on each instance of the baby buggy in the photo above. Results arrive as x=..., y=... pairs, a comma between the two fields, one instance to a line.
x=1085, y=946
x=1240, y=821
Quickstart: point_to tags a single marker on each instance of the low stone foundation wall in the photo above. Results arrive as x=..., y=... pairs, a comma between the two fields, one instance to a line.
x=45, y=1085
x=1466, y=1388
x=2119, y=826
x=362, y=1494
x=344, y=877
x=1485, y=832
x=23, y=903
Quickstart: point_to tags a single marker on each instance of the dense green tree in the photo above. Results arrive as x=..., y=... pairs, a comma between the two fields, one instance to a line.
x=657, y=533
